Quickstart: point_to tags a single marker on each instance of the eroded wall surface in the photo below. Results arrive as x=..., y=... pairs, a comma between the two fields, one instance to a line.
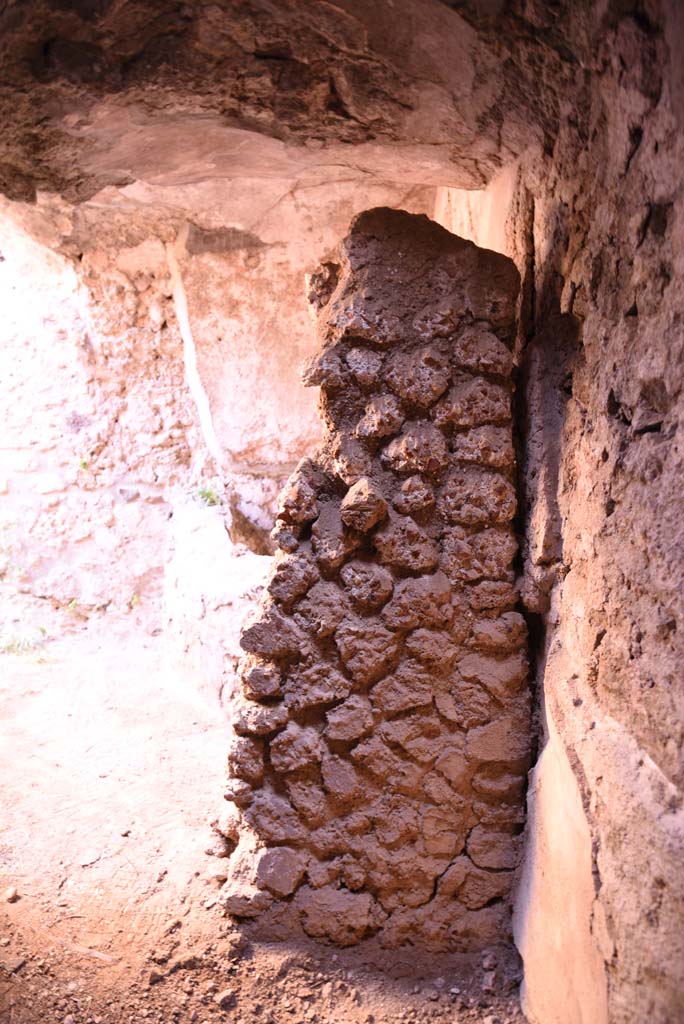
x=596, y=228
x=383, y=729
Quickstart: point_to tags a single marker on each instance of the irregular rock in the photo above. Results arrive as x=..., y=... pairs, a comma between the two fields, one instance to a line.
x=472, y=402
x=315, y=685
x=490, y=446
x=420, y=448
x=340, y=779
x=478, y=350
x=338, y=915
x=297, y=502
x=402, y=544
x=322, y=610
x=501, y=676
x=414, y=496
x=433, y=647
x=420, y=376
x=271, y=635
x=292, y=576
x=260, y=680
x=505, y=739
x=281, y=870
x=383, y=417
x=350, y=720
x=365, y=365
x=475, y=496
x=368, y=585
x=495, y=850
x=273, y=819
x=250, y=719
x=467, y=557
x=363, y=506
x=295, y=747
x=420, y=602
x=331, y=540
x=503, y=634
x=246, y=759
x=409, y=687
x=367, y=649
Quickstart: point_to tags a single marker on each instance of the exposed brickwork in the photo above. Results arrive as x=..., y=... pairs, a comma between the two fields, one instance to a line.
x=382, y=734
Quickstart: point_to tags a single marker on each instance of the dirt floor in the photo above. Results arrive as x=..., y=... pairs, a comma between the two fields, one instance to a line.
x=111, y=770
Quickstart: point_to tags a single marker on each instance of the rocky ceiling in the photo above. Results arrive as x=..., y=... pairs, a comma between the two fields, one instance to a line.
x=95, y=93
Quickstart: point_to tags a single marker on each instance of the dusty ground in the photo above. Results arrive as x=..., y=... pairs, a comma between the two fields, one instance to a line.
x=111, y=770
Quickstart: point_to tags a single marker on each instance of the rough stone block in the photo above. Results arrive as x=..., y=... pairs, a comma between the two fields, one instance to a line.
x=363, y=506
x=369, y=585
x=420, y=448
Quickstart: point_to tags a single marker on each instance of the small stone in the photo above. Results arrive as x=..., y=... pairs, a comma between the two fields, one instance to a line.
x=363, y=507
x=225, y=999
x=489, y=981
x=11, y=894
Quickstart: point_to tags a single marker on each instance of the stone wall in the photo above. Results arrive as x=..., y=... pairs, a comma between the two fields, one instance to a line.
x=382, y=735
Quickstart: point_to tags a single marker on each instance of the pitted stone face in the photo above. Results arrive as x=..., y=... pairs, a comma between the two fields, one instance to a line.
x=382, y=733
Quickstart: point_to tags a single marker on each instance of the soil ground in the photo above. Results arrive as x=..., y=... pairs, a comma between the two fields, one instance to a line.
x=112, y=769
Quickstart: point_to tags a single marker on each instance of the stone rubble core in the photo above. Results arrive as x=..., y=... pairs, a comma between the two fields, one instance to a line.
x=382, y=733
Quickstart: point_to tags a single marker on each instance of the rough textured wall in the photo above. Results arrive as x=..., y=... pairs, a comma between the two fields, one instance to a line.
x=383, y=730
x=596, y=226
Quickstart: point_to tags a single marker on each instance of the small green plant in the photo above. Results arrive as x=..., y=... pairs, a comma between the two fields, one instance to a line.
x=208, y=495
x=71, y=607
x=22, y=643
x=134, y=601
x=84, y=464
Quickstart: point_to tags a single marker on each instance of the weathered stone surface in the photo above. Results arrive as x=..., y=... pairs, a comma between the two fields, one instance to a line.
x=421, y=602
x=292, y=576
x=350, y=720
x=340, y=779
x=322, y=610
x=408, y=687
x=432, y=647
x=501, y=676
x=402, y=544
x=472, y=402
x=295, y=747
x=420, y=376
x=297, y=501
x=420, y=448
x=496, y=850
x=467, y=556
x=246, y=759
x=260, y=680
x=382, y=418
x=505, y=633
x=477, y=497
x=341, y=916
x=414, y=496
x=281, y=870
x=403, y=731
x=331, y=540
x=367, y=649
x=314, y=685
x=271, y=636
x=258, y=719
x=369, y=585
x=500, y=740
x=363, y=506
x=365, y=365
x=480, y=351
x=490, y=446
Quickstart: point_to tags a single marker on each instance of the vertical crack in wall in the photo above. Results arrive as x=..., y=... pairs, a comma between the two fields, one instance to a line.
x=174, y=251
x=382, y=736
